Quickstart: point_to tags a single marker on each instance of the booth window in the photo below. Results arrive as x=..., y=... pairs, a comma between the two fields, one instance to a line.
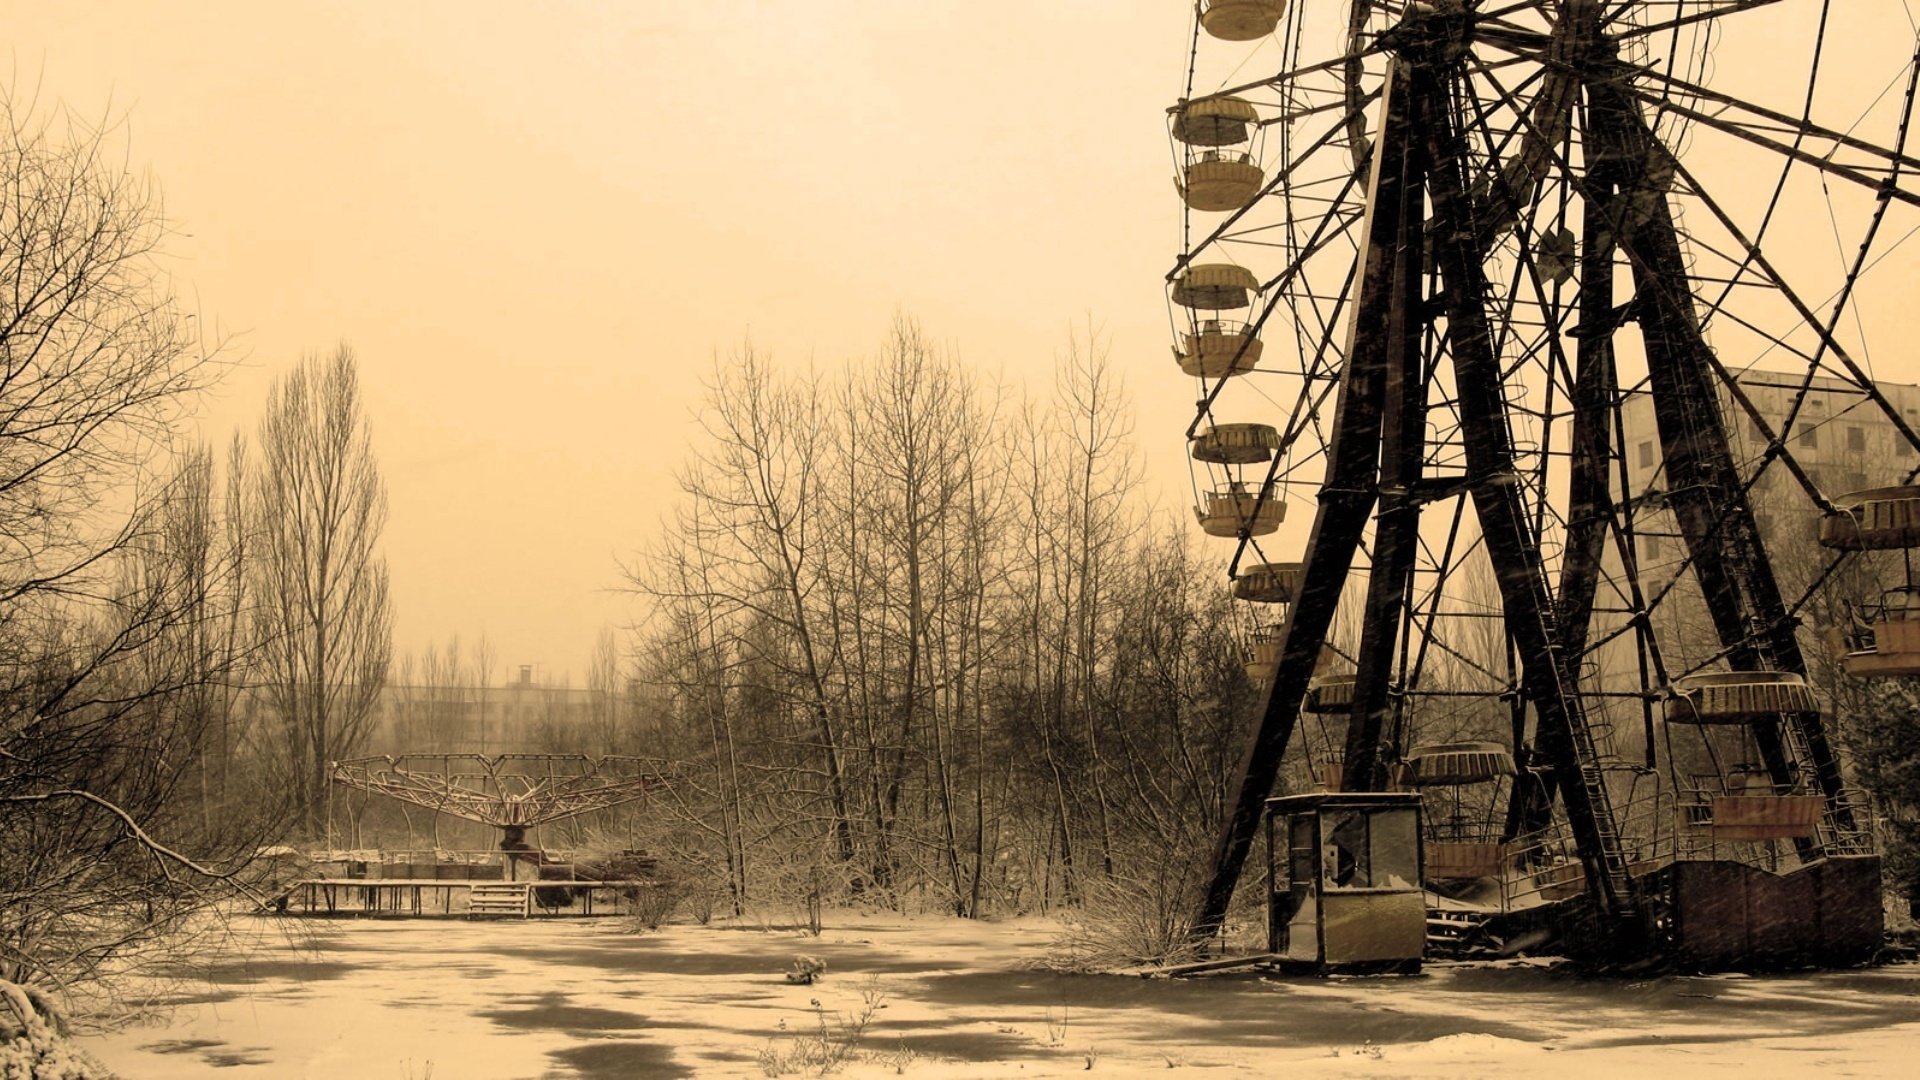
x=1364, y=853
x=1394, y=839
x=1347, y=860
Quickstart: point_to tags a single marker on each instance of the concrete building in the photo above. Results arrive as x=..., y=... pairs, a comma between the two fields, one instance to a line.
x=1843, y=440
x=1840, y=438
x=522, y=716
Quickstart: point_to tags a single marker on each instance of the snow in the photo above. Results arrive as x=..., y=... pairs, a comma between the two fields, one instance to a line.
x=409, y=999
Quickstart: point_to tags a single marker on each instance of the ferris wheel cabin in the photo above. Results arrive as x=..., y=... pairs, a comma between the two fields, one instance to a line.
x=1215, y=346
x=1221, y=171
x=1241, y=20
x=1884, y=636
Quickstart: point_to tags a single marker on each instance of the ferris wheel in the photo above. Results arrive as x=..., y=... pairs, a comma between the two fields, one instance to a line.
x=1482, y=287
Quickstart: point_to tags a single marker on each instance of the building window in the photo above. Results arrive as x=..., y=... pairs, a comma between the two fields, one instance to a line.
x=1857, y=439
x=1649, y=549
x=1810, y=438
x=1646, y=454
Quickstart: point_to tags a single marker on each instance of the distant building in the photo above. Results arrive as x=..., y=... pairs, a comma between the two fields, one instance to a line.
x=523, y=716
x=1843, y=440
x=1840, y=438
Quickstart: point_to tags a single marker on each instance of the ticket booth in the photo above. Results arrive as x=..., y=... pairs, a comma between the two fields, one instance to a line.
x=1343, y=876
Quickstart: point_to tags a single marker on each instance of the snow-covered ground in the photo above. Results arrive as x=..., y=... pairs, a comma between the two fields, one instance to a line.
x=407, y=1000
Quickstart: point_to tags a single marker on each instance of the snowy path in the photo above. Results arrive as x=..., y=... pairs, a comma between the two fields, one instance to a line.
x=409, y=1000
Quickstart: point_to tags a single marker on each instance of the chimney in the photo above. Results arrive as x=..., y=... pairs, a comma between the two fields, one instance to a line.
x=526, y=674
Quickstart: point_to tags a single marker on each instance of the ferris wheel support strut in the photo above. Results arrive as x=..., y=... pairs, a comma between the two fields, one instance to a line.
x=1402, y=460
x=1706, y=496
x=1346, y=502
x=1548, y=675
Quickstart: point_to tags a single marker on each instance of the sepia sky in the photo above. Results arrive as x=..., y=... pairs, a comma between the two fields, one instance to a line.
x=537, y=223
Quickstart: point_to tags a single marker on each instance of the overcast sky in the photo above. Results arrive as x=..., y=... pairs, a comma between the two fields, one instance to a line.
x=537, y=222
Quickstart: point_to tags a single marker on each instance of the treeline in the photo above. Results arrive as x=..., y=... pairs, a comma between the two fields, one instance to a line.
x=186, y=636
x=916, y=638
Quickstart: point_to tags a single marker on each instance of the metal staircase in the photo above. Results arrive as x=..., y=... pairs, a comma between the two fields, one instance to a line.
x=1835, y=834
x=1593, y=782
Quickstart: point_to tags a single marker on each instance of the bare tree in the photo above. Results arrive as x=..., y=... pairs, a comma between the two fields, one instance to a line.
x=484, y=659
x=203, y=548
x=1098, y=484
x=605, y=687
x=756, y=518
x=323, y=613
x=110, y=566
x=956, y=611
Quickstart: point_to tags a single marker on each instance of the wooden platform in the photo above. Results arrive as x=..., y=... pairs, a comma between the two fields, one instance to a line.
x=436, y=898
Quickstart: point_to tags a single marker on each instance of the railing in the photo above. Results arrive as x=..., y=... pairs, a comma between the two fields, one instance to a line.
x=1546, y=867
x=1849, y=824
x=1658, y=829
x=1235, y=157
x=1540, y=868
x=1227, y=327
x=478, y=864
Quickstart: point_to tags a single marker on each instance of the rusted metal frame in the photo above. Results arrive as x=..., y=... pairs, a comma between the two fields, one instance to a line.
x=1845, y=293
x=1595, y=399
x=1509, y=680
x=1790, y=123
x=1862, y=381
x=1650, y=662
x=1700, y=245
x=1296, y=425
x=1454, y=559
x=1284, y=77
x=470, y=807
x=1396, y=531
x=1786, y=167
x=1245, y=238
x=1792, y=351
x=1881, y=185
x=1301, y=113
x=1639, y=608
x=1282, y=285
x=1527, y=271
x=478, y=807
x=1545, y=675
x=1543, y=124
x=1352, y=71
x=1412, y=673
x=1825, y=762
x=1307, y=406
x=1531, y=806
x=1801, y=128
x=1590, y=504
x=1346, y=499
x=1706, y=495
x=519, y=800
x=1300, y=191
x=1626, y=6
x=1617, y=220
